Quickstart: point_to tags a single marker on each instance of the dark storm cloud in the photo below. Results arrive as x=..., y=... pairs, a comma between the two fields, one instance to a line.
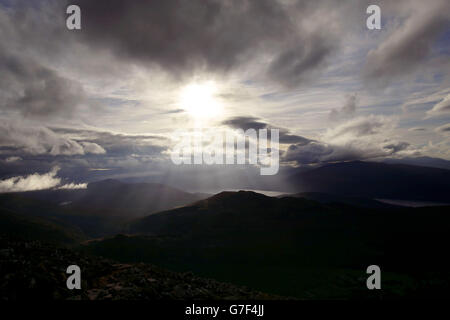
x=30, y=34
x=246, y=123
x=183, y=37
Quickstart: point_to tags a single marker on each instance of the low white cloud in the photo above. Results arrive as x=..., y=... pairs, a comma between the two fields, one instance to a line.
x=72, y=186
x=36, y=181
x=31, y=182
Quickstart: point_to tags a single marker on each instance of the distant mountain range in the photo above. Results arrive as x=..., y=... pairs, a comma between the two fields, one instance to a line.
x=421, y=161
x=113, y=198
x=102, y=208
x=326, y=198
x=376, y=180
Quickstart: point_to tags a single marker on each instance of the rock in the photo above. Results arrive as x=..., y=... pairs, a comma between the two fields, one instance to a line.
x=35, y=270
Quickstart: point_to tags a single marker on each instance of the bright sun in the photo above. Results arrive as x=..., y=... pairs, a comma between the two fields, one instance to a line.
x=199, y=100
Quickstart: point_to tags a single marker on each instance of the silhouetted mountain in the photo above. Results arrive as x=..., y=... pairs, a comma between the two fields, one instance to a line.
x=35, y=207
x=326, y=198
x=294, y=246
x=284, y=246
x=377, y=180
x=102, y=208
x=21, y=226
x=113, y=198
x=421, y=161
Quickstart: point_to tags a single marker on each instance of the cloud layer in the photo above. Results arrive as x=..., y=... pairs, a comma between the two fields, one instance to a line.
x=40, y=140
x=187, y=37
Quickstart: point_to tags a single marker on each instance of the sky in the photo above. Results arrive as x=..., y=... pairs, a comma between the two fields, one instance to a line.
x=104, y=101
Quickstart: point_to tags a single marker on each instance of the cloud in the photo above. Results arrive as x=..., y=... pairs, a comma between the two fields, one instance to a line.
x=298, y=64
x=246, y=123
x=419, y=99
x=36, y=90
x=116, y=144
x=49, y=72
x=321, y=152
x=345, y=111
x=187, y=37
x=410, y=43
x=41, y=140
x=445, y=129
x=92, y=148
x=173, y=111
x=31, y=182
x=359, y=127
x=73, y=186
x=396, y=147
x=356, y=139
x=79, y=150
x=441, y=108
x=12, y=159
x=34, y=46
x=38, y=181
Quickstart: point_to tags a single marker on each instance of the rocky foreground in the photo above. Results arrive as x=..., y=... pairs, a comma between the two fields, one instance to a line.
x=36, y=270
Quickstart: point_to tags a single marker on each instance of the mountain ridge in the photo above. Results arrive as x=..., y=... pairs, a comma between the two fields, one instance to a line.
x=376, y=180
